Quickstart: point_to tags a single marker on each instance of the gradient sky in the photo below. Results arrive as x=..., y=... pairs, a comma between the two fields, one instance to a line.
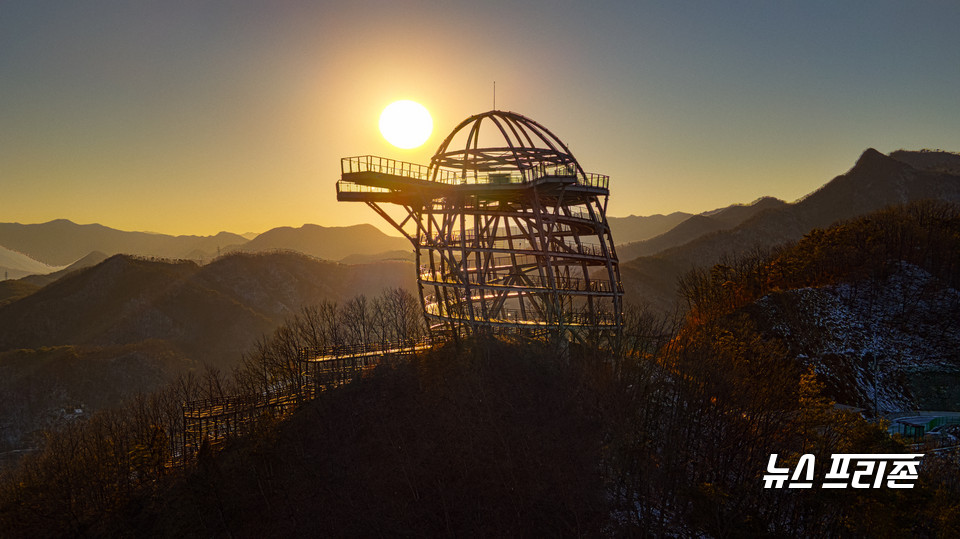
x=191, y=117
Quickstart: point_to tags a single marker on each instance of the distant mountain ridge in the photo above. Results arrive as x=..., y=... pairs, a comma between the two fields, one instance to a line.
x=62, y=242
x=875, y=181
x=638, y=228
x=708, y=222
x=328, y=243
x=42, y=280
x=212, y=313
x=698, y=225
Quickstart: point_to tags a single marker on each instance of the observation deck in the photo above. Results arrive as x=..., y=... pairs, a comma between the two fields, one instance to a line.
x=369, y=178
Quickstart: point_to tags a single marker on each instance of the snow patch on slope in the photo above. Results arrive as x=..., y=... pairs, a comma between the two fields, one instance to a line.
x=871, y=341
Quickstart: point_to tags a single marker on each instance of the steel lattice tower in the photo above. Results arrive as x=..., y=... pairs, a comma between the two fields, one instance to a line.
x=510, y=233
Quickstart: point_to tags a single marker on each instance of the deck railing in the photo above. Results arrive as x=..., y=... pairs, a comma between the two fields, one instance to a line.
x=516, y=316
x=384, y=165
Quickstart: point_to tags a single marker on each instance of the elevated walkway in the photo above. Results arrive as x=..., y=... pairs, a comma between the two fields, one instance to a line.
x=211, y=421
x=331, y=353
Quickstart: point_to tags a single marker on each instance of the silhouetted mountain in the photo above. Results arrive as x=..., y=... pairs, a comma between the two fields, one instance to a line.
x=91, y=259
x=14, y=265
x=932, y=160
x=876, y=181
x=328, y=243
x=735, y=214
x=63, y=242
x=15, y=289
x=638, y=228
x=211, y=313
x=698, y=225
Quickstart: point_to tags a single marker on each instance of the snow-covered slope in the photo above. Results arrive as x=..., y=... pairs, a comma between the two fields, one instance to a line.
x=888, y=345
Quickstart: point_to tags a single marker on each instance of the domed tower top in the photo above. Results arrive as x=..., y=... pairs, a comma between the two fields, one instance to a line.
x=503, y=142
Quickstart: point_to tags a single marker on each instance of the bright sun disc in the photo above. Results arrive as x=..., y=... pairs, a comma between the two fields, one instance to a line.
x=406, y=124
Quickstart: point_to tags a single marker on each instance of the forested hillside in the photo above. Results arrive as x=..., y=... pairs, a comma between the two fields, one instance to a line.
x=101, y=334
x=870, y=303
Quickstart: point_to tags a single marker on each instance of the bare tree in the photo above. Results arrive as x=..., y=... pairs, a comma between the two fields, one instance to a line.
x=358, y=319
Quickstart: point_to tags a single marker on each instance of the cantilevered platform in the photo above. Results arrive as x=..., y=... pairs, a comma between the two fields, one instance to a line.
x=369, y=178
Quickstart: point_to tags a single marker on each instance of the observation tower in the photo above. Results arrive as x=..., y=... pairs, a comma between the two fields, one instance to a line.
x=509, y=231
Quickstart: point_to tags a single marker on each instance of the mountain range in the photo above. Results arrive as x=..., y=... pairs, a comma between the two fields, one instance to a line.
x=328, y=243
x=635, y=228
x=62, y=242
x=695, y=226
x=654, y=250
x=211, y=313
x=874, y=182
x=37, y=249
x=48, y=247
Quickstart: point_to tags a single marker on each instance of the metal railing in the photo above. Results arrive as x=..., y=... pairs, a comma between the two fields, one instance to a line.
x=597, y=180
x=516, y=316
x=383, y=165
x=556, y=249
x=347, y=350
x=344, y=186
x=573, y=284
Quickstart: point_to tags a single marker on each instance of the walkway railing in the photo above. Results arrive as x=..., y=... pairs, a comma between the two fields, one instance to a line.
x=528, y=318
x=211, y=421
x=529, y=280
x=350, y=187
x=383, y=165
x=347, y=350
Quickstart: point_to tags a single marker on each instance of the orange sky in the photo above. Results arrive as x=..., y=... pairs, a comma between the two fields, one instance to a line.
x=233, y=116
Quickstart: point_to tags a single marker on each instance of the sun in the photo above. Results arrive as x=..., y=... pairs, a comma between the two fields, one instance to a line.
x=406, y=124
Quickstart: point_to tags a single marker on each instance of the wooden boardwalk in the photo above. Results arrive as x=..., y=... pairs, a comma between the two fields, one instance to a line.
x=211, y=421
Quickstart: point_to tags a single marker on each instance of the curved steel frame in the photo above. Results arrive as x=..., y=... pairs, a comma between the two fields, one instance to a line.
x=509, y=236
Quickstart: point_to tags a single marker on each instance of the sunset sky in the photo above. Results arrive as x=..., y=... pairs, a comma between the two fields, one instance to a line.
x=187, y=117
